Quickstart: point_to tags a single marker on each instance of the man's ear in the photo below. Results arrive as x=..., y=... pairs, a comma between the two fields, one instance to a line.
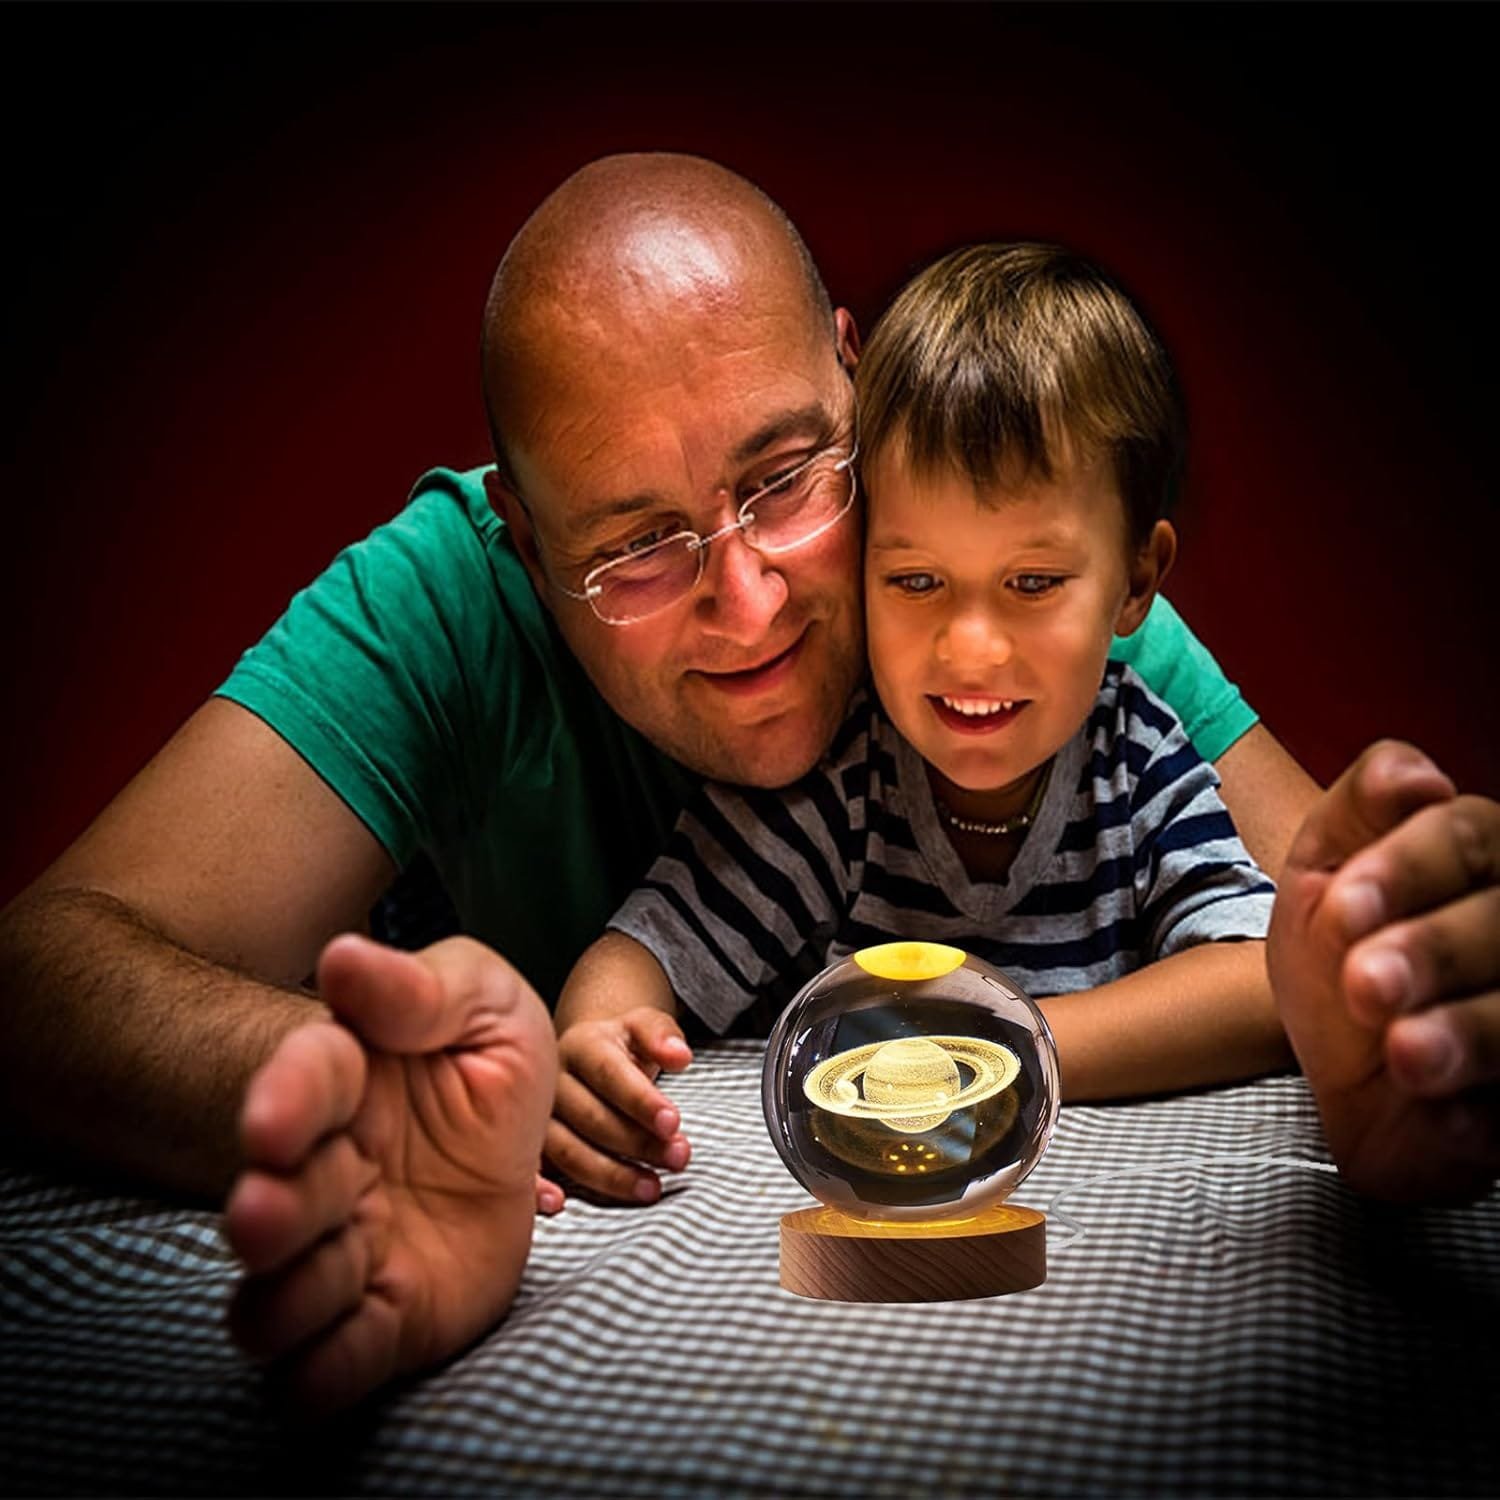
x=1148, y=567
x=512, y=510
x=846, y=338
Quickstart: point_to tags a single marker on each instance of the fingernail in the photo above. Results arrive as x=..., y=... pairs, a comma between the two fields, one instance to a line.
x=677, y=1155
x=647, y=1190
x=666, y=1123
x=1387, y=972
x=1361, y=908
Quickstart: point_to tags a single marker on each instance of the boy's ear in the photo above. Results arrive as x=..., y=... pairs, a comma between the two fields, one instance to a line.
x=846, y=338
x=1148, y=567
x=512, y=510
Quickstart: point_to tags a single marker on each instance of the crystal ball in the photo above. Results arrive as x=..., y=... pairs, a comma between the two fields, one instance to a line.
x=910, y=1081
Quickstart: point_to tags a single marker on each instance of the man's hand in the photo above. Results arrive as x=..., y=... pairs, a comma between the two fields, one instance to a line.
x=609, y=1114
x=387, y=1203
x=1384, y=954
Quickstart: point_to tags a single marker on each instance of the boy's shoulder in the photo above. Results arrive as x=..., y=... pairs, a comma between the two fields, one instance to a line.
x=1127, y=706
x=1140, y=768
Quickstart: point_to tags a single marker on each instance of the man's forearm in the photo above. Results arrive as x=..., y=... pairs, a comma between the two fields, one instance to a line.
x=1268, y=795
x=121, y=1046
x=1199, y=1017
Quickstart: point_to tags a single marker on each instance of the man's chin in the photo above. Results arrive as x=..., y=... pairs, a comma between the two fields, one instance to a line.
x=772, y=752
x=762, y=759
x=767, y=743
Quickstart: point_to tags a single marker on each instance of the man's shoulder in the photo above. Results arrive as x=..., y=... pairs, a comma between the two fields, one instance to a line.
x=447, y=510
x=461, y=487
x=445, y=556
x=429, y=614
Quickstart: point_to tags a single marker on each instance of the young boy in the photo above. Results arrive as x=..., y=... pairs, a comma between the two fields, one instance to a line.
x=1002, y=786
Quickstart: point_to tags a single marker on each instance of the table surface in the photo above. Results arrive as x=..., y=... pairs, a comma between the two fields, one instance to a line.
x=1229, y=1320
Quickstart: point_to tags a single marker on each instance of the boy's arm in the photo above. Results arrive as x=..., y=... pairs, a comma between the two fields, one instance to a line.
x=746, y=885
x=617, y=1030
x=1200, y=1008
x=1201, y=1016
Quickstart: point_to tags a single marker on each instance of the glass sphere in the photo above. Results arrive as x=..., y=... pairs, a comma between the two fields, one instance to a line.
x=910, y=1081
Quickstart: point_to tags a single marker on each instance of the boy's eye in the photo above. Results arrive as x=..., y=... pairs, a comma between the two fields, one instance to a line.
x=1034, y=585
x=913, y=583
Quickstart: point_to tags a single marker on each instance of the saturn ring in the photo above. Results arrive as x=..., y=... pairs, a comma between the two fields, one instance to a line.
x=913, y=1083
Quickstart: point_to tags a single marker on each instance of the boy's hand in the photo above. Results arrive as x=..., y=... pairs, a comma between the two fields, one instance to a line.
x=610, y=1123
x=1384, y=954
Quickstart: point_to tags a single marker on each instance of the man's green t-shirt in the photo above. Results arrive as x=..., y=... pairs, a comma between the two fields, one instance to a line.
x=423, y=680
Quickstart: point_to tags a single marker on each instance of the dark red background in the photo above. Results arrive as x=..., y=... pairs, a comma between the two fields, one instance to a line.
x=250, y=247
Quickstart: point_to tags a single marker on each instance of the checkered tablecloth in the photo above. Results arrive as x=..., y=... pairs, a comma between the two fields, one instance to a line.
x=1227, y=1322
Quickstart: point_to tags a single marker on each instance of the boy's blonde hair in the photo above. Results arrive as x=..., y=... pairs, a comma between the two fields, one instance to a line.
x=1001, y=361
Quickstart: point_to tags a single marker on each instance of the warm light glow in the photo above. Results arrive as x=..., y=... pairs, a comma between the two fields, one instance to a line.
x=912, y=1074
x=911, y=1084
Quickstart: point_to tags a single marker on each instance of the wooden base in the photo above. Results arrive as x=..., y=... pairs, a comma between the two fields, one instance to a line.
x=827, y=1254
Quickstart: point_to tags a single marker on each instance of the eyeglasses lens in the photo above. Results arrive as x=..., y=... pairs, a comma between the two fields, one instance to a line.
x=777, y=519
x=787, y=515
x=635, y=587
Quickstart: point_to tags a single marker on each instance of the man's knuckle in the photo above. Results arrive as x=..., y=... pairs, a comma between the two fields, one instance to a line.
x=1475, y=835
x=348, y=1167
x=1385, y=746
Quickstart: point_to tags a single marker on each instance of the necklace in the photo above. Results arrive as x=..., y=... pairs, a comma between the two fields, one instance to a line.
x=1012, y=824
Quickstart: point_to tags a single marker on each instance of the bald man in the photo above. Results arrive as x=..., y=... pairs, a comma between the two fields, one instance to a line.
x=658, y=349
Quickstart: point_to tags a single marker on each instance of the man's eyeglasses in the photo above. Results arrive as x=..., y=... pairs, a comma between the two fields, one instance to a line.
x=795, y=508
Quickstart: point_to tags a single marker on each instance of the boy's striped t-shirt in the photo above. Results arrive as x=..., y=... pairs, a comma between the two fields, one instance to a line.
x=1132, y=856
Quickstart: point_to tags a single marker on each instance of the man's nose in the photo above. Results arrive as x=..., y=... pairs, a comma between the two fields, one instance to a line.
x=742, y=591
x=975, y=637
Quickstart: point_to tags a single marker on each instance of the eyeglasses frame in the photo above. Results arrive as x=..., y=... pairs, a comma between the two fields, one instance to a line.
x=699, y=544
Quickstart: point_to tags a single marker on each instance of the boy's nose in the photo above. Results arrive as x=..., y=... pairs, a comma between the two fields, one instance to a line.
x=974, y=639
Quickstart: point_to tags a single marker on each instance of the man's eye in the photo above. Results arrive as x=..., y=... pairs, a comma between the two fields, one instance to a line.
x=774, y=488
x=1035, y=585
x=642, y=542
x=779, y=482
x=647, y=539
x=913, y=583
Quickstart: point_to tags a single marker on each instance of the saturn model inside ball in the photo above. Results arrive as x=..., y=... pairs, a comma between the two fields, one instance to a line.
x=910, y=1081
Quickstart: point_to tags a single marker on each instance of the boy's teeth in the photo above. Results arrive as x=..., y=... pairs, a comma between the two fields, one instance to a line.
x=973, y=707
